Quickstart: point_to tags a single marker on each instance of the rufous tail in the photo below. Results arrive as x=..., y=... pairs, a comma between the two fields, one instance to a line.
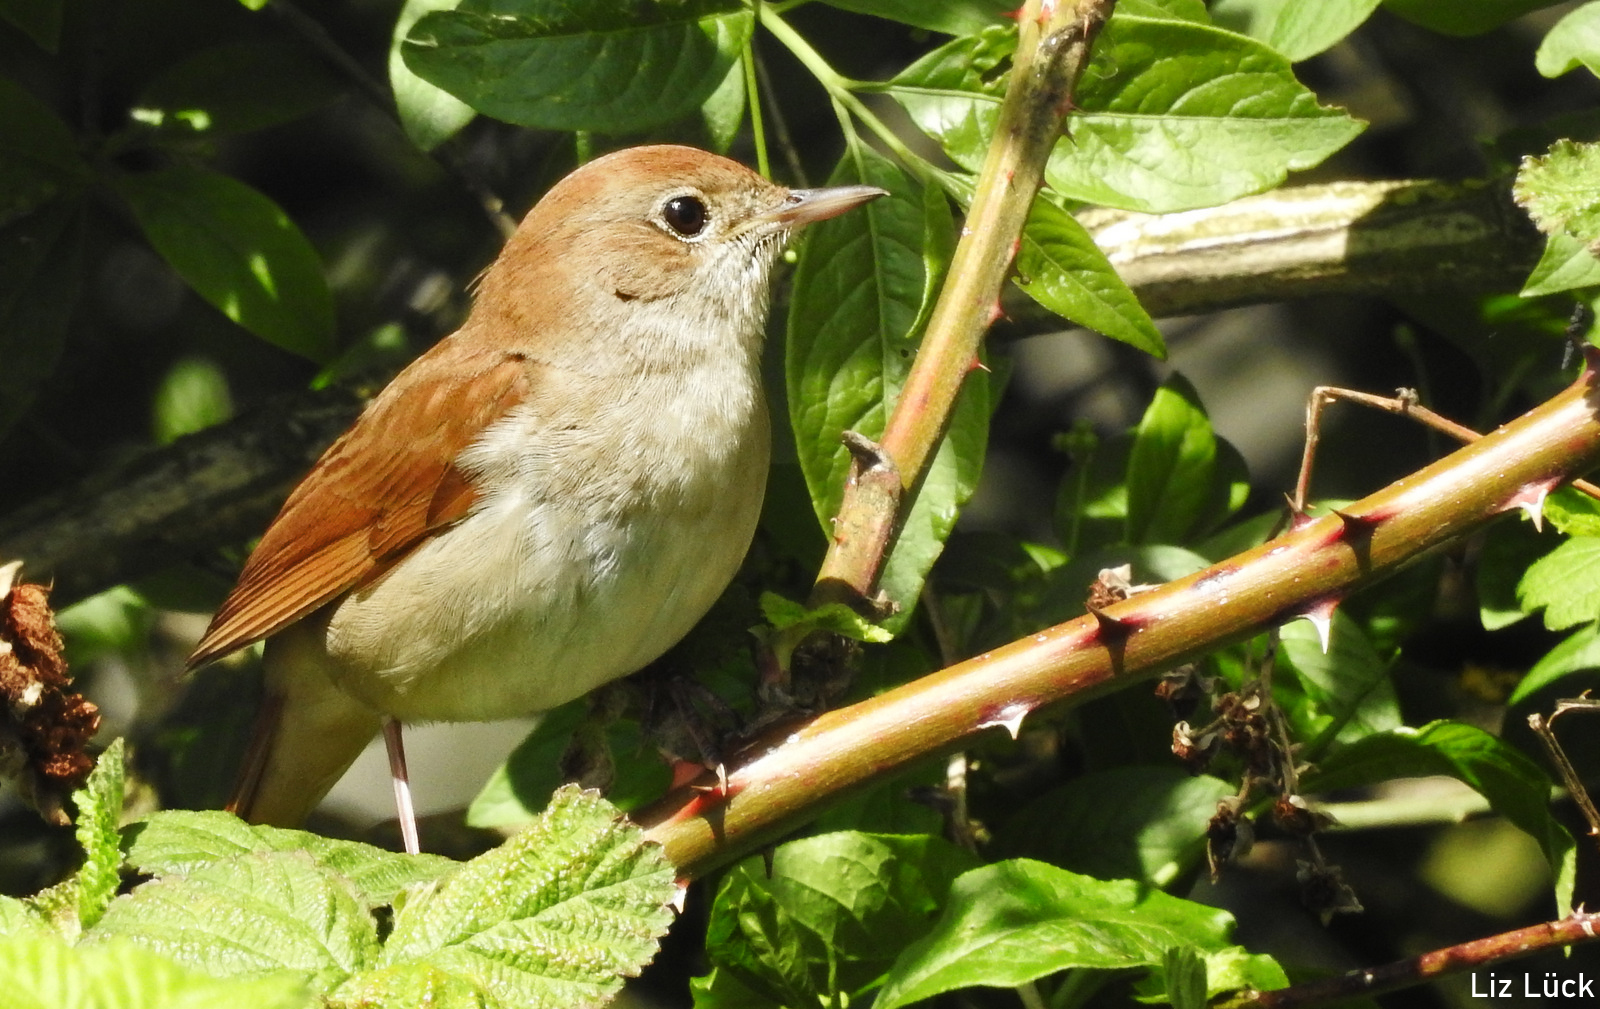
x=307, y=734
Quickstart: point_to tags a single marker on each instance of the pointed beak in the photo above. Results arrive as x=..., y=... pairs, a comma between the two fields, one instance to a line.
x=804, y=206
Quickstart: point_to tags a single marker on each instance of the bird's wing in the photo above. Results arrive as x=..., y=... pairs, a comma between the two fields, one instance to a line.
x=374, y=496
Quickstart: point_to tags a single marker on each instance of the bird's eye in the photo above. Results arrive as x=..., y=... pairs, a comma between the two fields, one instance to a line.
x=685, y=214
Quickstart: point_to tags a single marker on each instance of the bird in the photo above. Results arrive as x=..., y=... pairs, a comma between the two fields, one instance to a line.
x=545, y=500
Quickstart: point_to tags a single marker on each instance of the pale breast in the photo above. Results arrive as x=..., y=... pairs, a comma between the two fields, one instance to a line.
x=601, y=544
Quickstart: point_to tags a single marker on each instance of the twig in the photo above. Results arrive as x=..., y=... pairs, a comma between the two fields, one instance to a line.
x=781, y=780
x=1545, y=730
x=1404, y=403
x=1578, y=927
x=1053, y=49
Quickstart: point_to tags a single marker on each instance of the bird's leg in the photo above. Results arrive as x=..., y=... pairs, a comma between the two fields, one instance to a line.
x=402, y=785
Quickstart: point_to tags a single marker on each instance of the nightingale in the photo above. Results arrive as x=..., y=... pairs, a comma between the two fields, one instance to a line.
x=544, y=501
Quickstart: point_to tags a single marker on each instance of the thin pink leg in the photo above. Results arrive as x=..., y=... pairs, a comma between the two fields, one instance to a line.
x=402, y=785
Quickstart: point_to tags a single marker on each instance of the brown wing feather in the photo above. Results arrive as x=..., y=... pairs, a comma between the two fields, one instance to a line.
x=379, y=491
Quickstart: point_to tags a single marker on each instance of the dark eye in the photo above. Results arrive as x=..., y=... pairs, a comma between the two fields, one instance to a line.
x=685, y=214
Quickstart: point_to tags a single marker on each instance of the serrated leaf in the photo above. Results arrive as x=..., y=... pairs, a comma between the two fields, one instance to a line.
x=1573, y=41
x=1559, y=190
x=1566, y=264
x=1578, y=652
x=1140, y=822
x=826, y=921
x=182, y=842
x=239, y=251
x=553, y=917
x=40, y=20
x=1170, y=466
x=1171, y=115
x=1297, y=29
x=857, y=289
x=45, y=973
x=429, y=115
x=1514, y=785
x=1565, y=583
x=236, y=87
x=568, y=65
x=99, y=804
x=1572, y=512
x=39, y=156
x=41, y=265
x=1012, y=922
x=1463, y=17
x=1060, y=267
x=250, y=915
x=952, y=17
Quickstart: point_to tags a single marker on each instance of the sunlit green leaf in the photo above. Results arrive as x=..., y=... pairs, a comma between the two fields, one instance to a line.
x=567, y=65
x=1295, y=28
x=1565, y=583
x=428, y=114
x=239, y=251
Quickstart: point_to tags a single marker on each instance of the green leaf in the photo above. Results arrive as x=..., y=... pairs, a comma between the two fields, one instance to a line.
x=1060, y=267
x=1573, y=41
x=182, y=842
x=1559, y=190
x=1514, y=785
x=45, y=973
x=723, y=113
x=1566, y=582
x=429, y=115
x=519, y=789
x=1578, y=652
x=1508, y=549
x=239, y=251
x=1565, y=265
x=99, y=804
x=837, y=618
x=1463, y=17
x=552, y=917
x=1179, y=115
x=1144, y=823
x=236, y=87
x=41, y=265
x=1297, y=29
x=568, y=65
x=249, y=915
x=1013, y=922
x=39, y=156
x=20, y=918
x=952, y=17
x=40, y=20
x=1345, y=693
x=1172, y=114
x=1573, y=512
x=1171, y=465
x=823, y=925
x=857, y=290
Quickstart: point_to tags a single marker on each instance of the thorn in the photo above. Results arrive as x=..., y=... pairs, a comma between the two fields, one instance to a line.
x=1299, y=518
x=1010, y=717
x=1110, y=626
x=680, y=894
x=995, y=314
x=1530, y=498
x=976, y=365
x=1320, y=613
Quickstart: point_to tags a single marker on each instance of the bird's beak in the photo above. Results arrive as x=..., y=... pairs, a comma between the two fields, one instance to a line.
x=804, y=206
